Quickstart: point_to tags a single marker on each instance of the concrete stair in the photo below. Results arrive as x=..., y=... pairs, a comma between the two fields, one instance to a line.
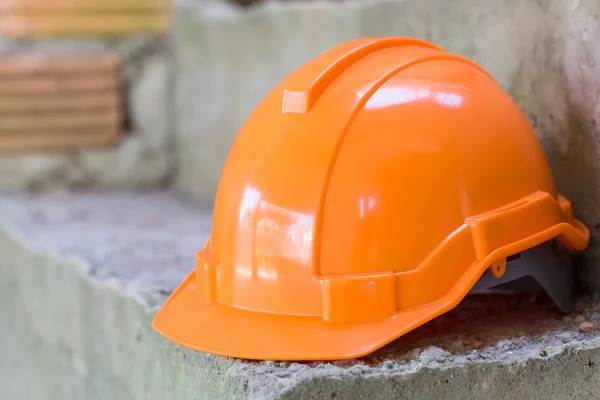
x=82, y=274
x=83, y=270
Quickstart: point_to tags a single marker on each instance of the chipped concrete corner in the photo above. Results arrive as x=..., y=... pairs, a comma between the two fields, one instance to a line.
x=76, y=314
x=144, y=156
x=73, y=325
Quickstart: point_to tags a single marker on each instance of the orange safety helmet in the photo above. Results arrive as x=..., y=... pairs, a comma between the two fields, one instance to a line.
x=364, y=196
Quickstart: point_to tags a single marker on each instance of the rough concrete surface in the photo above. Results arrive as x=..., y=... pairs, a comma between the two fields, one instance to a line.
x=81, y=275
x=145, y=155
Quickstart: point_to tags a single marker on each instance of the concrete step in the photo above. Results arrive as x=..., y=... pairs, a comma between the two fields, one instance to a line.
x=82, y=274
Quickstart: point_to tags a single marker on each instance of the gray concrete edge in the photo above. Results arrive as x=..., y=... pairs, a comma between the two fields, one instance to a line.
x=77, y=337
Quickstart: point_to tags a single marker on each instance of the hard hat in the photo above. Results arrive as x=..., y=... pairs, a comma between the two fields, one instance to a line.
x=364, y=196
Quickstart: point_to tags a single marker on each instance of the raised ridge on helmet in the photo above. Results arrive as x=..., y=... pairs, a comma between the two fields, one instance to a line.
x=403, y=64
x=318, y=75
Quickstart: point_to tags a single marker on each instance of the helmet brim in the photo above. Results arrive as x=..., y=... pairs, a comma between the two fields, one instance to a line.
x=234, y=332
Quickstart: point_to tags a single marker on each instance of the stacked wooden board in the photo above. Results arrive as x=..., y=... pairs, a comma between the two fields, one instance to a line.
x=51, y=18
x=58, y=102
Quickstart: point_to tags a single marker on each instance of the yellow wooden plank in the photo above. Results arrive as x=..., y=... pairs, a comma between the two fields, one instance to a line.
x=11, y=124
x=51, y=84
x=31, y=26
x=53, y=103
x=35, y=64
x=83, y=5
x=41, y=141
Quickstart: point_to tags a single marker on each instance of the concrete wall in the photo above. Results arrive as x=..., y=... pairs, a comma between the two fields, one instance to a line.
x=145, y=155
x=544, y=53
